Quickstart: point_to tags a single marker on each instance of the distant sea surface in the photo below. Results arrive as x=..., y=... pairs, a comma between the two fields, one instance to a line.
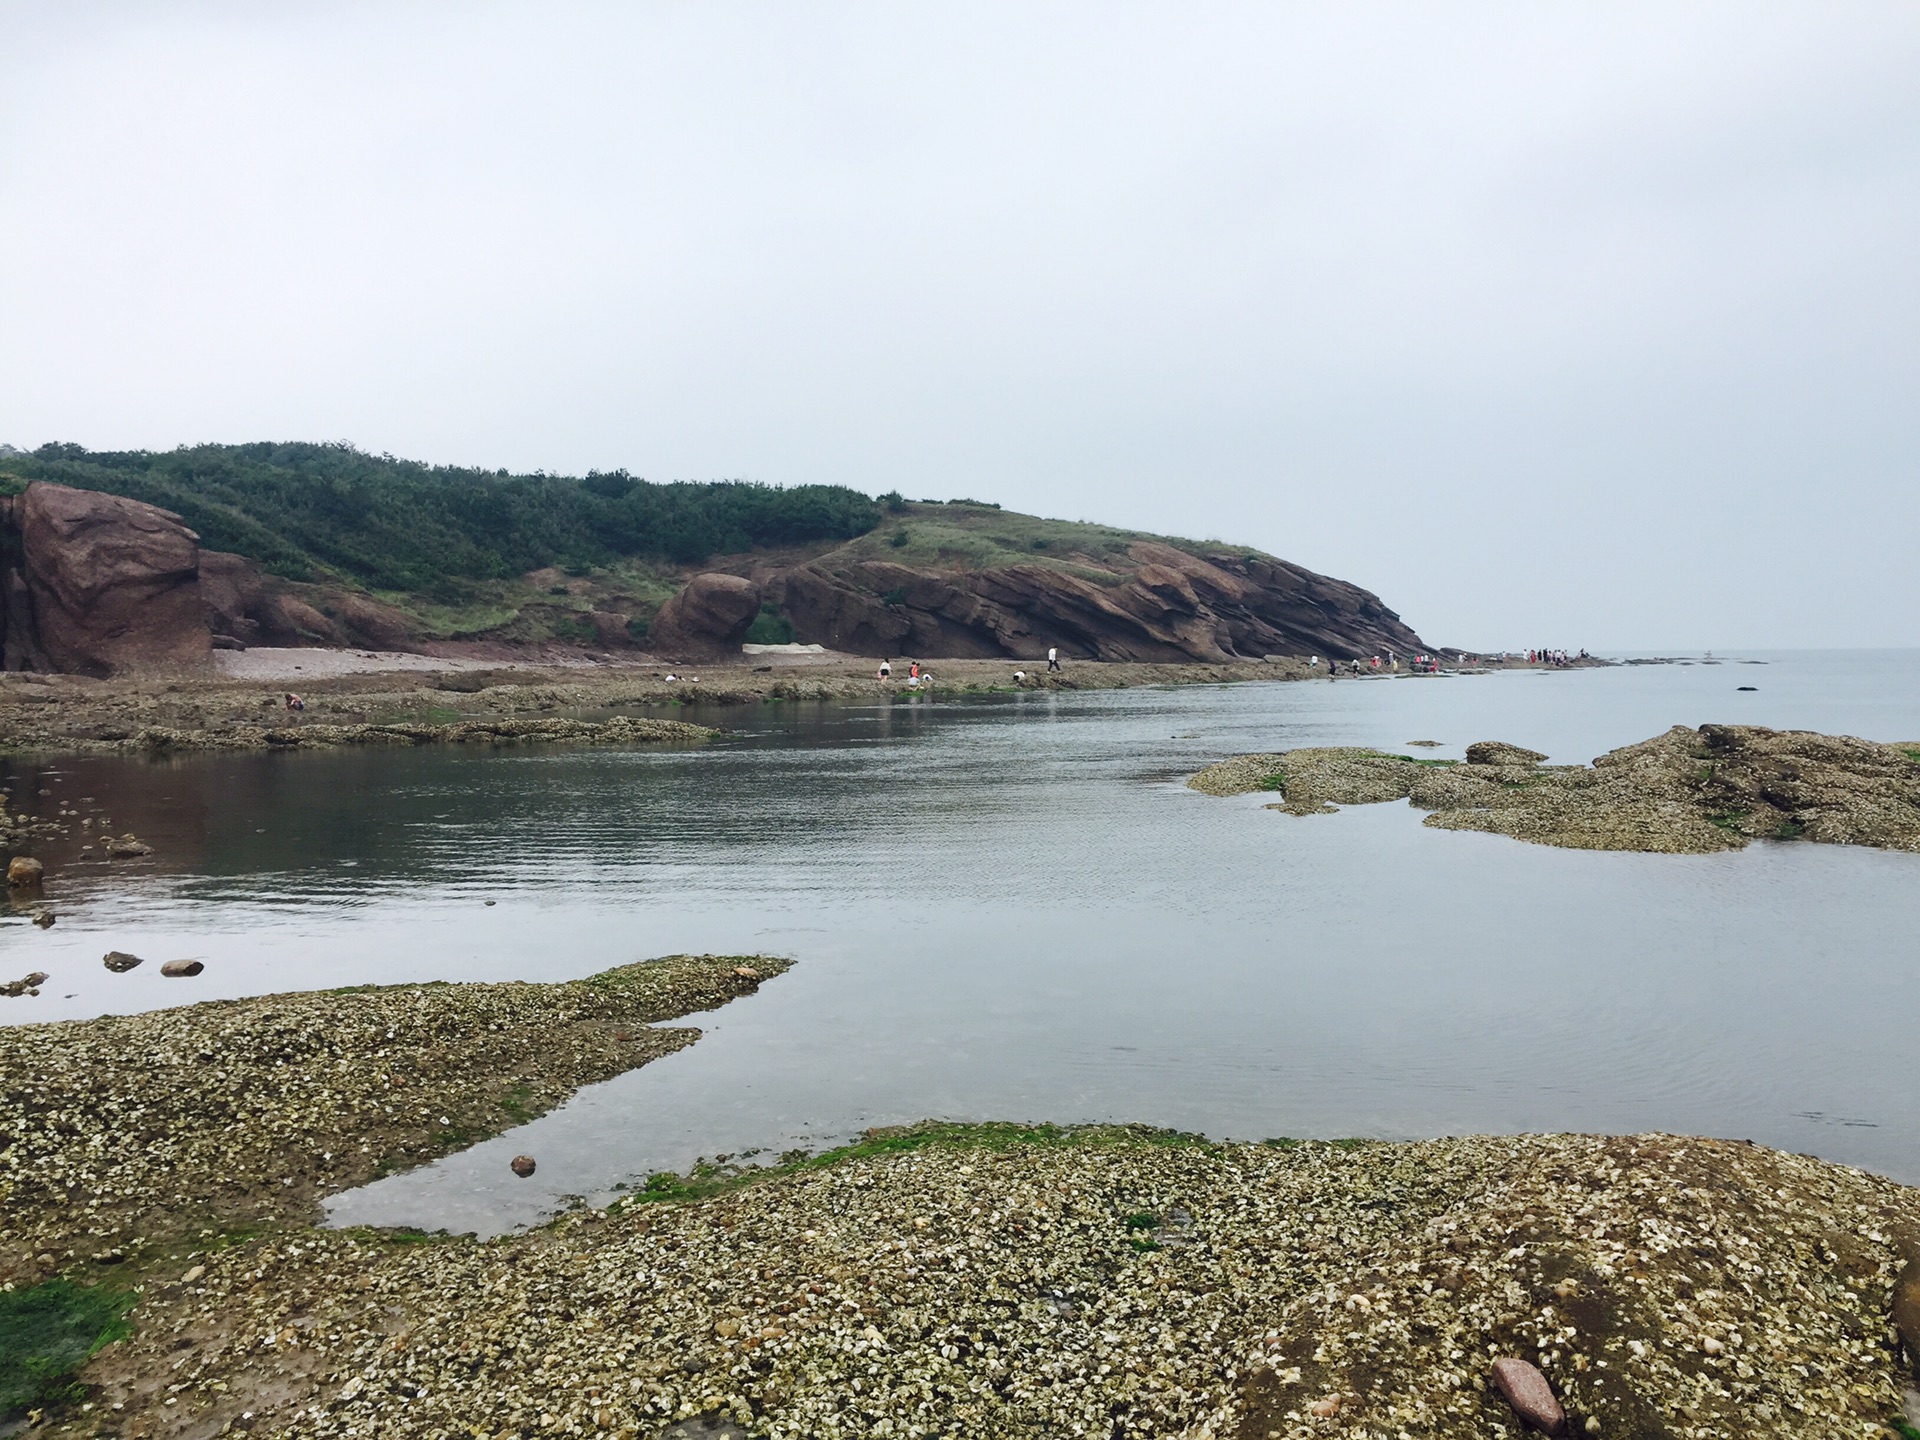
x=1012, y=908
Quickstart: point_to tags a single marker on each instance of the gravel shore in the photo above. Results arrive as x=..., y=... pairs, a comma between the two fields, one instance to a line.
x=1003, y=1282
x=962, y=1281
x=125, y=1133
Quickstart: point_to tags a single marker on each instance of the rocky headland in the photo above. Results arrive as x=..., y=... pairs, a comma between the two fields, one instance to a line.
x=1689, y=791
x=971, y=1281
x=94, y=582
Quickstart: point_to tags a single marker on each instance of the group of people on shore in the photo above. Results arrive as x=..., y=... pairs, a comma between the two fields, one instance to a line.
x=921, y=678
x=1385, y=663
x=918, y=676
x=1554, y=657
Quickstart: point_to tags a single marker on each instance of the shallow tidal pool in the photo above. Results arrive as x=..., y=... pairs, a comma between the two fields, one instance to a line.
x=1011, y=907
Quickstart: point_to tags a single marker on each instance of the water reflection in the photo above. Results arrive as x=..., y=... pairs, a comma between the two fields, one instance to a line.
x=1012, y=908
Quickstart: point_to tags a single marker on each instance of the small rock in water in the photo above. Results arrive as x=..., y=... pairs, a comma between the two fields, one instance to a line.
x=1746, y=687
x=182, y=967
x=24, y=872
x=127, y=847
x=28, y=985
x=119, y=961
x=522, y=1165
x=1530, y=1395
x=43, y=918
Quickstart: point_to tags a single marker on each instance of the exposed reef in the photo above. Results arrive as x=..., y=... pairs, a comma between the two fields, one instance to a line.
x=1005, y=1281
x=129, y=1130
x=1685, y=792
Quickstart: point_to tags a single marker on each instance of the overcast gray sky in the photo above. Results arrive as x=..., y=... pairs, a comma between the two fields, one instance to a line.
x=1585, y=324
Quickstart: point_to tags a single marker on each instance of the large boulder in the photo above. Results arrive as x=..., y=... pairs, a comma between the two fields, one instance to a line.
x=711, y=614
x=101, y=584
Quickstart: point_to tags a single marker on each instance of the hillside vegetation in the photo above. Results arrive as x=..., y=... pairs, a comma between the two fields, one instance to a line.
x=333, y=513
x=373, y=551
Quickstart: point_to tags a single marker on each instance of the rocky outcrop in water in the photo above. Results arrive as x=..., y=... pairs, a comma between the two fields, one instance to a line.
x=1167, y=605
x=1685, y=792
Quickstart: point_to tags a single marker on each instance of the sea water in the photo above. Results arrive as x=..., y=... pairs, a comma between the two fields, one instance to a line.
x=1011, y=907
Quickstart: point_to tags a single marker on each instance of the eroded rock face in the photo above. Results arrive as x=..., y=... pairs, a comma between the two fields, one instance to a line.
x=1173, y=607
x=711, y=613
x=243, y=602
x=100, y=584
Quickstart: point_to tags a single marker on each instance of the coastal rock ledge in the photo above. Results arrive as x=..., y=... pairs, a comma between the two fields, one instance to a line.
x=1685, y=792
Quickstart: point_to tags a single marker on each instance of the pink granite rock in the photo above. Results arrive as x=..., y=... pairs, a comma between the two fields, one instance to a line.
x=1530, y=1395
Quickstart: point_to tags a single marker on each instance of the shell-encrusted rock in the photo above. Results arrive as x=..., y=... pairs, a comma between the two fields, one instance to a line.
x=1684, y=792
x=1499, y=752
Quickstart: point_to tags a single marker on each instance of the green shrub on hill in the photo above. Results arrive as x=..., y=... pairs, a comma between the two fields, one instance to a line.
x=314, y=512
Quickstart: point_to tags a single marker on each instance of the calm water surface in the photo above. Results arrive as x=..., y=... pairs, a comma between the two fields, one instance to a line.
x=1012, y=908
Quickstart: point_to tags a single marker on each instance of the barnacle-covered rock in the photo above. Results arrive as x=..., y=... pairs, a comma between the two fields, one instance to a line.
x=1684, y=792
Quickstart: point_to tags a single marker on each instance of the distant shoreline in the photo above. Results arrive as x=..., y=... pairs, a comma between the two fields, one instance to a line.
x=245, y=706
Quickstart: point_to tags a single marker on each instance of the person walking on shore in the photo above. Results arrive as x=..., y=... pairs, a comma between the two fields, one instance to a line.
x=1053, y=658
x=886, y=669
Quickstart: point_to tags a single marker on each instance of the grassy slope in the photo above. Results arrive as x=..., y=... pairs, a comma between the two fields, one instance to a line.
x=472, y=554
x=938, y=537
x=959, y=536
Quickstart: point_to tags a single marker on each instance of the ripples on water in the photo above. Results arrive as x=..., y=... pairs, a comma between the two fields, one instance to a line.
x=1011, y=908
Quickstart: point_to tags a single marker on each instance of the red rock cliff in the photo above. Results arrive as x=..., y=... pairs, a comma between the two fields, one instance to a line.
x=97, y=584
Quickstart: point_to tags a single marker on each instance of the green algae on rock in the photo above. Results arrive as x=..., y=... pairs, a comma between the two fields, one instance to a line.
x=1685, y=792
